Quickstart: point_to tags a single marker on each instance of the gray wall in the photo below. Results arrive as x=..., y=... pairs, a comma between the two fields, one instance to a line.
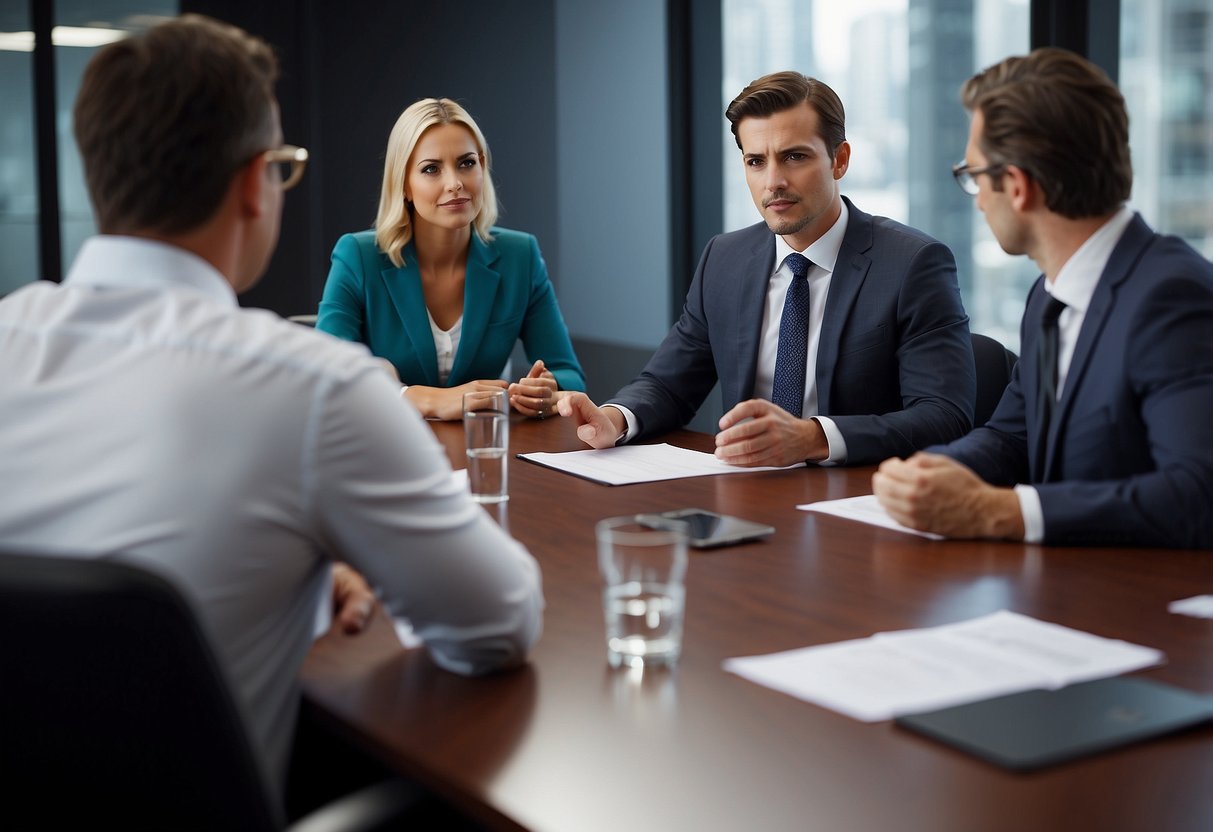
x=613, y=170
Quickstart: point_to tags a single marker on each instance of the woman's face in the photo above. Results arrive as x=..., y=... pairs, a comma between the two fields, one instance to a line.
x=445, y=177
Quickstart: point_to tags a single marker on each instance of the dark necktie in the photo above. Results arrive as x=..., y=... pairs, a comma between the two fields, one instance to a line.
x=787, y=391
x=1047, y=397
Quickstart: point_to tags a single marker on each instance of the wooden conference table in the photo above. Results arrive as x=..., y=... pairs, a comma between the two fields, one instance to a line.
x=567, y=744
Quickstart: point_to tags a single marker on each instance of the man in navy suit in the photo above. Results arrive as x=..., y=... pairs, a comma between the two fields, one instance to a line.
x=865, y=356
x=1105, y=429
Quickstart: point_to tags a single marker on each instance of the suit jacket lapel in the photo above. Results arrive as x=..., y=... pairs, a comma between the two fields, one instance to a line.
x=479, y=295
x=759, y=261
x=1132, y=244
x=404, y=288
x=849, y=272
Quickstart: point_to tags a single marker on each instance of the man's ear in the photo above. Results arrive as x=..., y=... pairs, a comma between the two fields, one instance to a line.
x=251, y=183
x=1022, y=190
x=842, y=159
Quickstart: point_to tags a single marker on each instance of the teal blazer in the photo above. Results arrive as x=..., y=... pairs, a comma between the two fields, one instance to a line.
x=507, y=296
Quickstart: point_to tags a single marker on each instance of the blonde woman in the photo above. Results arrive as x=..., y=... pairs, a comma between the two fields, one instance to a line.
x=436, y=289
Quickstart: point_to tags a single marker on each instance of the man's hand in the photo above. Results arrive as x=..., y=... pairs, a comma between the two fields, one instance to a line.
x=756, y=433
x=535, y=393
x=935, y=493
x=598, y=427
x=353, y=599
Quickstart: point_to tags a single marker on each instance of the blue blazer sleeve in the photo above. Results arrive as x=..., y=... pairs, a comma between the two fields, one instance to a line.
x=544, y=334
x=342, y=306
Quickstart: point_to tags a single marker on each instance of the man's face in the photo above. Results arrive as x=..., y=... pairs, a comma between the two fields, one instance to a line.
x=792, y=180
x=994, y=204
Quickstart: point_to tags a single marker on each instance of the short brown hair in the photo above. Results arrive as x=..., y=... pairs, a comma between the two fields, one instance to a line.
x=1061, y=120
x=166, y=117
x=781, y=91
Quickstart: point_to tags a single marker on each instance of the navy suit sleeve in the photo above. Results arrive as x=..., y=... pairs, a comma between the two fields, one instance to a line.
x=1169, y=363
x=998, y=451
x=342, y=307
x=544, y=334
x=681, y=373
x=934, y=357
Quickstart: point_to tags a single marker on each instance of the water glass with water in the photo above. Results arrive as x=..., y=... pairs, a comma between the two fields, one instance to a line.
x=486, y=429
x=644, y=596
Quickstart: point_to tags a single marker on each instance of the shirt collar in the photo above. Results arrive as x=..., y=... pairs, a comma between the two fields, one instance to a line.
x=824, y=250
x=137, y=262
x=1075, y=283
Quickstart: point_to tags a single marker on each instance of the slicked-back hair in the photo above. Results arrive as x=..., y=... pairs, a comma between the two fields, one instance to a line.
x=781, y=91
x=394, y=223
x=165, y=118
x=1059, y=118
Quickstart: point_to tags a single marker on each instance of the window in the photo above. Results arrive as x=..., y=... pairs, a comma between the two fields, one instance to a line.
x=898, y=66
x=18, y=164
x=1166, y=70
x=80, y=28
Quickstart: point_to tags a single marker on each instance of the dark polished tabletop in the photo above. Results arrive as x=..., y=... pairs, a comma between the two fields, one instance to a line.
x=566, y=743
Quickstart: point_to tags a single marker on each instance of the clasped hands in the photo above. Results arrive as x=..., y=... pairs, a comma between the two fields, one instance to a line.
x=535, y=395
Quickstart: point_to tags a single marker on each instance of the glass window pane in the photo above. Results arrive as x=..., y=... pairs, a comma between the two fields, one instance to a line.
x=898, y=66
x=81, y=28
x=18, y=164
x=1166, y=75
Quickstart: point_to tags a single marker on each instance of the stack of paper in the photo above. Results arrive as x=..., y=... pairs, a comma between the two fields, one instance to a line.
x=911, y=671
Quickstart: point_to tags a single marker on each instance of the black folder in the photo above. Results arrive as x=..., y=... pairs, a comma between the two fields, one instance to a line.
x=1037, y=728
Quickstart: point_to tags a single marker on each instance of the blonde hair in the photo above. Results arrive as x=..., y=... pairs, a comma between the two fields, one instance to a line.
x=393, y=225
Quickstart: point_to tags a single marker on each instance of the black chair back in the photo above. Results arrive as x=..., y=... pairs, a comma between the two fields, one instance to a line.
x=994, y=365
x=114, y=711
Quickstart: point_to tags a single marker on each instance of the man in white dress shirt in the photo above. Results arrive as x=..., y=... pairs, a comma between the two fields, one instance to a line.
x=145, y=416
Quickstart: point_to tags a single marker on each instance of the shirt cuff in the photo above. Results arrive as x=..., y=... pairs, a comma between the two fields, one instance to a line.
x=1033, y=514
x=632, y=428
x=837, y=445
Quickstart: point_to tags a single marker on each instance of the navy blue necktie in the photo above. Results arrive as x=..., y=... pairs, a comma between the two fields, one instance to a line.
x=787, y=391
x=1047, y=381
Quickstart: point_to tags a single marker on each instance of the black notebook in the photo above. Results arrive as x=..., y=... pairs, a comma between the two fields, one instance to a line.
x=1039, y=728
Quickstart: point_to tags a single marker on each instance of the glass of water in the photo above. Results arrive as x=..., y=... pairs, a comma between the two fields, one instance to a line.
x=486, y=429
x=643, y=596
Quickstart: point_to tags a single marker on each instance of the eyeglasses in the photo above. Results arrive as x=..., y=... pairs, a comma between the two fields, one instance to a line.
x=965, y=176
x=291, y=161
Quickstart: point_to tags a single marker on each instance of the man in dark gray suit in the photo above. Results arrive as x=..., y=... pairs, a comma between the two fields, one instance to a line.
x=837, y=337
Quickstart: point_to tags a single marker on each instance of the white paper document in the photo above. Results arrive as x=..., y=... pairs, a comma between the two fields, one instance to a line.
x=1198, y=606
x=910, y=671
x=865, y=509
x=627, y=464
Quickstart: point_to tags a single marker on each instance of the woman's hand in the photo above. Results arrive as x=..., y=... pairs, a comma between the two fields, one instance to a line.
x=536, y=393
x=447, y=402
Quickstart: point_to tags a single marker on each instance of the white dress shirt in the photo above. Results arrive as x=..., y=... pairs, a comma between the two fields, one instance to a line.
x=823, y=253
x=143, y=413
x=446, y=344
x=1074, y=286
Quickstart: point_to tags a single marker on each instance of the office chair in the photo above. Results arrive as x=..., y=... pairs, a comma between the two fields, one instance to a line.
x=114, y=712
x=994, y=365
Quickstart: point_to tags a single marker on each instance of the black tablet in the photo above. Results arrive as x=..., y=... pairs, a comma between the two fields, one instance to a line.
x=1039, y=728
